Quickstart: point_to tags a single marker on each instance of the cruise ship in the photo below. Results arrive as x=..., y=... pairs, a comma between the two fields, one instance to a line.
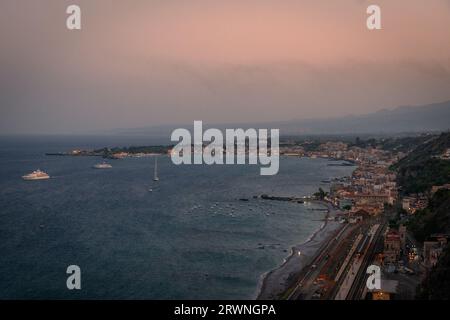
x=36, y=175
x=103, y=165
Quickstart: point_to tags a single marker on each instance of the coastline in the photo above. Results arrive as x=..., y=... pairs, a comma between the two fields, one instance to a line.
x=277, y=281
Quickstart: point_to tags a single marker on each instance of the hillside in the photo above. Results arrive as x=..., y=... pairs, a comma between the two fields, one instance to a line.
x=434, y=219
x=418, y=172
x=422, y=168
x=436, y=285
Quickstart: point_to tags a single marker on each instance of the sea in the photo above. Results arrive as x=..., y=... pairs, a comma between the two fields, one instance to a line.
x=191, y=237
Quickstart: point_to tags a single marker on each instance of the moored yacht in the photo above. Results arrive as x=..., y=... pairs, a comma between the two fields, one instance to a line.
x=36, y=175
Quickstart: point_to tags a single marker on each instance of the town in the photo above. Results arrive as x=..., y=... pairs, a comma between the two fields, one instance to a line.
x=381, y=209
x=376, y=213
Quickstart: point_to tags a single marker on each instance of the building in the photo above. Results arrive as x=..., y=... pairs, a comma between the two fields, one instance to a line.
x=372, y=199
x=372, y=210
x=435, y=189
x=402, y=233
x=120, y=155
x=387, y=291
x=446, y=155
x=414, y=203
x=433, y=248
x=392, y=246
x=406, y=203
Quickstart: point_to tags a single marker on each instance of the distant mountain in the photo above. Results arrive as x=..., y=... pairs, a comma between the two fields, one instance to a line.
x=406, y=119
x=433, y=117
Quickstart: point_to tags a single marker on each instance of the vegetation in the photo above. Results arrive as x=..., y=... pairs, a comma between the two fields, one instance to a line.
x=404, y=144
x=423, y=168
x=144, y=149
x=420, y=177
x=311, y=146
x=370, y=142
x=433, y=219
x=321, y=194
x=436, y=285
x=134, y=150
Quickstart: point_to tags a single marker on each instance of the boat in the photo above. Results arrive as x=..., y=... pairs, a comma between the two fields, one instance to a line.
x=103, y=165
x=155, y=177
x=36, y=175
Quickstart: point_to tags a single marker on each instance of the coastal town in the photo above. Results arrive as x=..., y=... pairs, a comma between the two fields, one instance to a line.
x=374, y=213
x=367, y=222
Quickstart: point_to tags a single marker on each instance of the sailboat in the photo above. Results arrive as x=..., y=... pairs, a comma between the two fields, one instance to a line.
x=155, y=174
x=155, y=177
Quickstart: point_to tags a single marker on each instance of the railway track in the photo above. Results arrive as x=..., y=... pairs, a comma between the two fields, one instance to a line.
x=359, y=283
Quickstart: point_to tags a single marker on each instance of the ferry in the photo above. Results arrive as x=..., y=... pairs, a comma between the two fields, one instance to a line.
x=36, y=175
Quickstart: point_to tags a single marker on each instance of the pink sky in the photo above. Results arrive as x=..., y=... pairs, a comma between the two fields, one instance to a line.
x=139, y=63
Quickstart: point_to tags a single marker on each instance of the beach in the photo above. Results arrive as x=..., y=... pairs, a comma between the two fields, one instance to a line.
x=276, y=282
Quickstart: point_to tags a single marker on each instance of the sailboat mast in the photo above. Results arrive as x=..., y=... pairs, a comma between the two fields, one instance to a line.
x=156, y=170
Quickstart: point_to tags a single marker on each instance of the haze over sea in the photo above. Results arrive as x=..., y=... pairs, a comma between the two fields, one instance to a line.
x=190, y=238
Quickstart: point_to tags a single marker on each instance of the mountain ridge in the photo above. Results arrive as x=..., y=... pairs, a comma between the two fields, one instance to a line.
x=423, y=118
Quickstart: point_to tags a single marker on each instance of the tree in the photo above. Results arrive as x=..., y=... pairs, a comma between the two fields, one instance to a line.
x=321, y=194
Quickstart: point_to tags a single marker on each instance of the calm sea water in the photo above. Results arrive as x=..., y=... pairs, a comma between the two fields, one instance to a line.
x=191, y=238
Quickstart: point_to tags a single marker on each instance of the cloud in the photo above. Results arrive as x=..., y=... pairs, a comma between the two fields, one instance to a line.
x=152, y=62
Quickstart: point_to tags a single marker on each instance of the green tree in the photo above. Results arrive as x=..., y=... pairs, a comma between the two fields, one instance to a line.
x=321, y=194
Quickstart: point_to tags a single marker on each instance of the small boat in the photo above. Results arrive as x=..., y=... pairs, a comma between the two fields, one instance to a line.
x=36, y=175
x=103, y=165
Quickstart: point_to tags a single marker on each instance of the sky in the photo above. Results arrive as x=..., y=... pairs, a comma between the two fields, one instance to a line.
x=141, y=63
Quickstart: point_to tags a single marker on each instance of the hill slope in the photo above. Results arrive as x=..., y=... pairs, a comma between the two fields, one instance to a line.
x=422, y=168
x=433, y=117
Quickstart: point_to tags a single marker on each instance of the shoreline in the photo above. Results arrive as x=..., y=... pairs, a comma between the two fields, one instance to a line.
x=277, y=281
x=274, y=283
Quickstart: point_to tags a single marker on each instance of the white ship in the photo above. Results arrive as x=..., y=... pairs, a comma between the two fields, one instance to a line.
x=36, y=175
x=103, y=165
